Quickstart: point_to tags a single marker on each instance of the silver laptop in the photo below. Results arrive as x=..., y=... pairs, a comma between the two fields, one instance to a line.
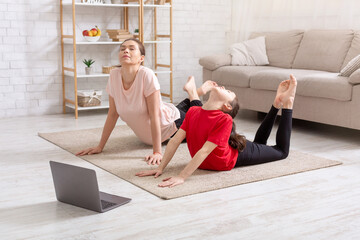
x=78, y=186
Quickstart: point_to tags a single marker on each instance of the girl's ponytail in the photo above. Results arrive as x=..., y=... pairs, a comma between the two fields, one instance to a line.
x=236, y=141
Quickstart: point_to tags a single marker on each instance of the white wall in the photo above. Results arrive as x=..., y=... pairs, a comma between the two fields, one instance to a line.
x=30, y=58
x=281, y=15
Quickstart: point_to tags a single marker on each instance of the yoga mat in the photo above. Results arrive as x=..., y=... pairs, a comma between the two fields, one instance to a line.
x=124, y=155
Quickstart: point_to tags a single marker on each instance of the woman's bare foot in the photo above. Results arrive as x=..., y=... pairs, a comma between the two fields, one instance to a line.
x=190, y=88
x=206, y=87
x=190, y=84
x=287, y=98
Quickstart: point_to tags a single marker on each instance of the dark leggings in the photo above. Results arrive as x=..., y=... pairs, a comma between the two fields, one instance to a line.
x=184, y=107
x=258, y=152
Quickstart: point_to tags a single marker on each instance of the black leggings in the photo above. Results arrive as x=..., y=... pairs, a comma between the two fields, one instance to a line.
x=258, y=152
x=184, y=107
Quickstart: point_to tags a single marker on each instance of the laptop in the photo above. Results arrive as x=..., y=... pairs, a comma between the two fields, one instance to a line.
x=79, y=187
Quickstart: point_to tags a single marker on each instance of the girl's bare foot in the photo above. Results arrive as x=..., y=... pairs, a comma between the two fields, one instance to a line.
x=283, y=86
x=288, y=97
x=206, y=87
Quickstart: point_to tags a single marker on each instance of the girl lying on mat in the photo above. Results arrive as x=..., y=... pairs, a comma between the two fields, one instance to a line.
x=211, y=138
x=134, y=95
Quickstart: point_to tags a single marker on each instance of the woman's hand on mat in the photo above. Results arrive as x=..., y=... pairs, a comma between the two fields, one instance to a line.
x=153, y=159
x=89, y=151
x=155, y=172
x=172, y=181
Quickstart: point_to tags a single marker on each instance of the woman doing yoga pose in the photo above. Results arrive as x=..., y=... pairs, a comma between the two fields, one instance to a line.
x=134, y=96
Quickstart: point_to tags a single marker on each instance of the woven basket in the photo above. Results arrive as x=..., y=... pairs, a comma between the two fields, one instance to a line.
x=107, y=69
x=89, y=98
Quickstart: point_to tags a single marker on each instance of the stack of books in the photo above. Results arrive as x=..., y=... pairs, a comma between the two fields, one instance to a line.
x=119, y=35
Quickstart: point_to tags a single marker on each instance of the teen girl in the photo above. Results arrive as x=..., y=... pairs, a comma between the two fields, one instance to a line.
x=212, y=141
x=134, y=96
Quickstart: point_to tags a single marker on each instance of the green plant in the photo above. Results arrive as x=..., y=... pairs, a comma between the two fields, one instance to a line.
x=88, y=62
x=136, y=30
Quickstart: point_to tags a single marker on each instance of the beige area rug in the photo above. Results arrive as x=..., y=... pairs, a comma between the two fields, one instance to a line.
x=124, y=153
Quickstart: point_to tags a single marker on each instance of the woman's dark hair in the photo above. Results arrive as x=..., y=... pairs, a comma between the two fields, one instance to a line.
x=139, y=43
x=236, y=141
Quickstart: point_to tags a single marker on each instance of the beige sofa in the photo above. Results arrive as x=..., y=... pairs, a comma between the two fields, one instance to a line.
x=315, y=57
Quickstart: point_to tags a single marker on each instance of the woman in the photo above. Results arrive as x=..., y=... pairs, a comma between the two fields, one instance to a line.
x=213, y=142
x=134, y=95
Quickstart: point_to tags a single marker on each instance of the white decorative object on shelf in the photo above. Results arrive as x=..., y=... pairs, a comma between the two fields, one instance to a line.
x=88, y=70
x=92, y=39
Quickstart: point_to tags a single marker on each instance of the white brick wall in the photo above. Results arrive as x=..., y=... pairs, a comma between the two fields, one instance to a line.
x=30, y=57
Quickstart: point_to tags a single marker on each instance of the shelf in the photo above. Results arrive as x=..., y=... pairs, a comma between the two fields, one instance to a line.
x=92, y=43
x=157, y=6
x=97, y=75
x=104, y=105
x=101, y=5
x=161, y=41
x=98, y=43
x=76, y=40
x=117, y=5
x=111, y=43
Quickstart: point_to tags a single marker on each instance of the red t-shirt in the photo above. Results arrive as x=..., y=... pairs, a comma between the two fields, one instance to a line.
x=214, y=126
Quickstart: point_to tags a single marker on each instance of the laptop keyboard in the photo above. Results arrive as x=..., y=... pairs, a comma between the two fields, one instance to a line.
x=106, y=204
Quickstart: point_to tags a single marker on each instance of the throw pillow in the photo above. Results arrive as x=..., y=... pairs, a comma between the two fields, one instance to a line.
x=351, y=67
x=355, y=77
x=249, y=53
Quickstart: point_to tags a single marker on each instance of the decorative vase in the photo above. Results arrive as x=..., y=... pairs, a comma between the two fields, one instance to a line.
x=88, y=70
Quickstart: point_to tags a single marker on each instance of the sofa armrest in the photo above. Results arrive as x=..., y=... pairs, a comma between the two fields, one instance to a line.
x=215, y=61
x=355, y=77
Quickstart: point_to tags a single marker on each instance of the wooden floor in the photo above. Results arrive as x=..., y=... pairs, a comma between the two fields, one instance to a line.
x=320, y=204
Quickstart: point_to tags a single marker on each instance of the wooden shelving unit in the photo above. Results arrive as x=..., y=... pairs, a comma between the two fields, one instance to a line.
x=159, y=39
x=71, y=72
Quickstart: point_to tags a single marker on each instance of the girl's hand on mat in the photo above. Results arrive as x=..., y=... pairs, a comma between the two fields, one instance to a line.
x=153, y=159
x=89, y=151
x=155, y=172
x=172, y=182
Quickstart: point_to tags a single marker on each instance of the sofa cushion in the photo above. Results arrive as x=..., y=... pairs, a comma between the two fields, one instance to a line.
x=281, y=47
x=310, y=83
x=351, y=67
x=270, y=79
x=236, y=76
x=325, y=85
x=249, y=53
x=323, y=50
x=215, y=61
x=354, y=49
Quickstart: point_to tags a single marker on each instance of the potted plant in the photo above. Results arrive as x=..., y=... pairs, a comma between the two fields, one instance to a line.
x=88, y=68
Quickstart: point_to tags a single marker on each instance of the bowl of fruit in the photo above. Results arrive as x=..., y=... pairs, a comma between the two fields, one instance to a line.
x=92, y=35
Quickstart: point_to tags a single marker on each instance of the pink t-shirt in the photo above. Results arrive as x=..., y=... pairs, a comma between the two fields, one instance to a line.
x=131, y=104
